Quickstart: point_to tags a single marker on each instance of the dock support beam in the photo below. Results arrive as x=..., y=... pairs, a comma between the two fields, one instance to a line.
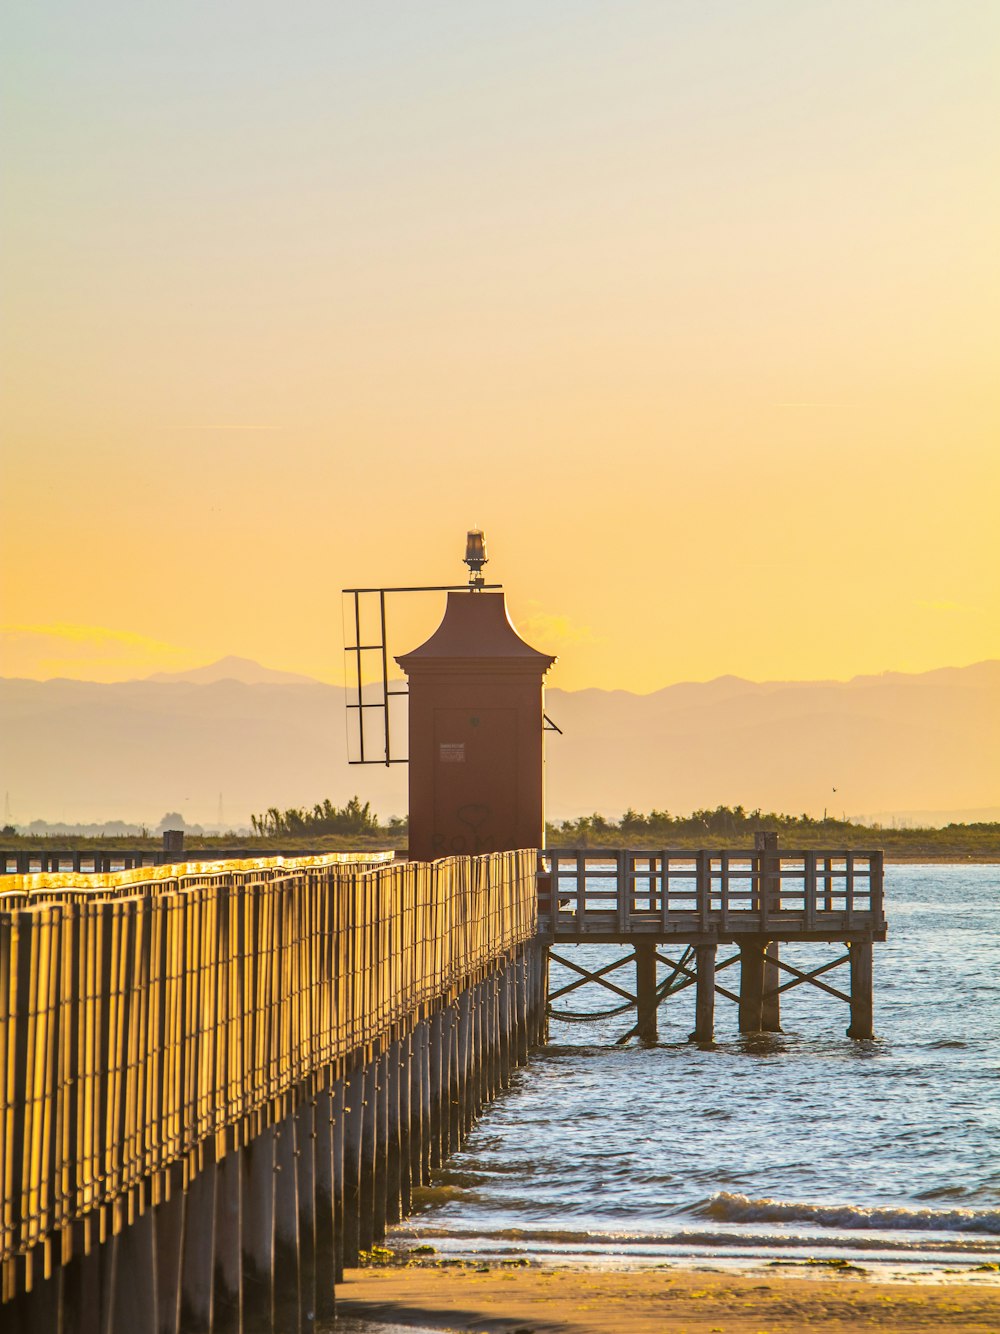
x=862, y=1022
x=752, y=984
x=767, y=861
x=645, y=990
x=770, y=1010
x=704, y=1009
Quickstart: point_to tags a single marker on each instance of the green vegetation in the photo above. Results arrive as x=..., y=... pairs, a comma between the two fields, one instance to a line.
x=324, y=818
x=354, y=827
x=734, y=827
x=325, y=828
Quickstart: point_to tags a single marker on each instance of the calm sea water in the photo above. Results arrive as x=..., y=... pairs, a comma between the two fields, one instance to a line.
x=804, y=1144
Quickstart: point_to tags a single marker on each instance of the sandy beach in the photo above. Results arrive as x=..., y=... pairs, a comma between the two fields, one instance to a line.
x=530, y=1299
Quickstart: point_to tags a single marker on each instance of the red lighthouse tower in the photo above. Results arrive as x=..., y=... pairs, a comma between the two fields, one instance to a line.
x=476, y=723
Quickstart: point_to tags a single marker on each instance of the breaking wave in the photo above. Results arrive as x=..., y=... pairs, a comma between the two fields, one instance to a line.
x=726, y=1207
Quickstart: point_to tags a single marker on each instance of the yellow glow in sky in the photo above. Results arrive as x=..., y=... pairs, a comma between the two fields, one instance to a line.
x=694, y=309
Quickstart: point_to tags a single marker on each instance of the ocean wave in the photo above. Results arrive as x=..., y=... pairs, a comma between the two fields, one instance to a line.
x=542, y=1240
x=726, y=1207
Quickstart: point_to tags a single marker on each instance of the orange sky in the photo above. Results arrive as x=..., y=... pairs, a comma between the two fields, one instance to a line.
x=693, y=308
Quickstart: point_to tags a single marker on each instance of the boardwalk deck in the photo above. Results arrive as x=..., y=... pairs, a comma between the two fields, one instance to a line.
x=661, y=904
x=700, y=897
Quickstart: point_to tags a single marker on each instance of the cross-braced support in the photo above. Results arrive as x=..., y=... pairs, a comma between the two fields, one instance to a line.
x=760, y=990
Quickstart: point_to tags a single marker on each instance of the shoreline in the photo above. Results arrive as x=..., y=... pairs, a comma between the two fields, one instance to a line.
x=526, y=1297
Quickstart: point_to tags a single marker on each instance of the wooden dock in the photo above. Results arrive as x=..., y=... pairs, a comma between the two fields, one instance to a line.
x=222, y=1081
x=694, y=902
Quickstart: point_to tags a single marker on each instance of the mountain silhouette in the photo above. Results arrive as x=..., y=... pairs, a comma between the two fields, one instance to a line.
x=915, y=746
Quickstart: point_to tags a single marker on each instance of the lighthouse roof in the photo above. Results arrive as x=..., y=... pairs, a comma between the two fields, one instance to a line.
x=476, y=625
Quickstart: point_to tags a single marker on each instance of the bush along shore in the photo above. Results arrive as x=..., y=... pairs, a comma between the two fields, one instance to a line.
x=328, y=828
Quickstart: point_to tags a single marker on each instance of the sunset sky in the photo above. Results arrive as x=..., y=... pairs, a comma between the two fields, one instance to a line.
x=693, y=307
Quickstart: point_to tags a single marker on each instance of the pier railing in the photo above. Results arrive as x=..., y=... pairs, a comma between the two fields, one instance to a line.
x=145, y=1013
x=793, y=894
x=49, y=861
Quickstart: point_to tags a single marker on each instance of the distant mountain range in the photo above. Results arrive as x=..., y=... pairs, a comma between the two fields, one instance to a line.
x=236, y=669
x=919, y=747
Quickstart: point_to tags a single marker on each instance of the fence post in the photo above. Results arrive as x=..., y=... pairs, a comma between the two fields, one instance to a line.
x=173, y=845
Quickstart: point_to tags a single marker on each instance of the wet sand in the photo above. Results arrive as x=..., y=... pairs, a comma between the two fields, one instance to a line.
x=498, y=1299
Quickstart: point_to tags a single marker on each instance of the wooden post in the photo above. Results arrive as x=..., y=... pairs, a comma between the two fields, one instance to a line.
x=704, y=1011
x=227, y=1312
x=454, y=1080
x=422, y=1163
x=376, y=1133
x=197, y=1279
x=173, y=845
x=287, y=1256
x=325, y=1225
x=168, y=1225
x=463, y=1085
x=490, y=1039
x=435, y=1075
x=338, y=1115
x=354, y=1142
x=81, y=1304
x=448, y=1142
x=770, y=1010
x=752, y=983
x=521, y=1008
x=862, y=1019
x=543, y=1001
x=406, y=1134
x=479, y=1074
x=135, y=1278
x=305, y=1185
x=505, y=1006
x=394, y=1134
x=645, y=990
x=767, y=860
x=258, y=1233
x=41, y=1311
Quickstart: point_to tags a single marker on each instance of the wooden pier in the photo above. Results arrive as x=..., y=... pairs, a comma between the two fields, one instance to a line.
x=677, y=907
x=221, y=1082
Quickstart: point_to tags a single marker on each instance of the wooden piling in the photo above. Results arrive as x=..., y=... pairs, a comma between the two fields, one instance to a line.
x=168, y=1225
x=305, y=1188
x=770, y=1009
x=704, y=1021
x=752, y=984
x=521, y=1010
x=645, y=990
x=257, y=1233
x=287, y=1253
x=394, y=1136
x=227, y=1299
x=436, y=1082
x=325, y=1224
x=862, y=1013
x=454, y=1117
x=504, y=1053
x=368, y=1155
x=198, y=1266
x=405, y=1128
x=353, y=1123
